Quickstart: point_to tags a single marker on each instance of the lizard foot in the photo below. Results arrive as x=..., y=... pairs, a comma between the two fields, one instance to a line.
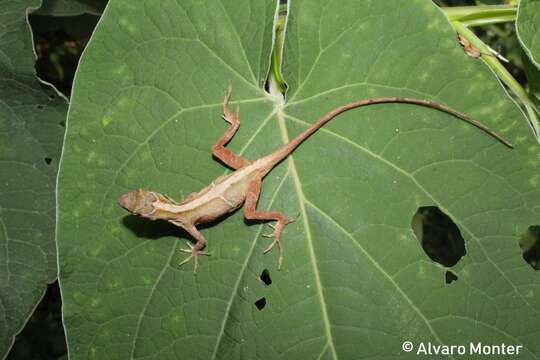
x=287, y=222
x=194, y=253
x=278, y=228
x=277, y=242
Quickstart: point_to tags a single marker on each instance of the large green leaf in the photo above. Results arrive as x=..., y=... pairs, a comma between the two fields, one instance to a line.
x=30, y=143
x=528, y=28
x=356, y=282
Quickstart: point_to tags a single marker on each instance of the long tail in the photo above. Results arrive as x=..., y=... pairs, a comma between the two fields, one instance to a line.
x=294, y=143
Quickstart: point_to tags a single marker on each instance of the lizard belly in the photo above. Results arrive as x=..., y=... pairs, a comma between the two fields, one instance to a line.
x=214, y=209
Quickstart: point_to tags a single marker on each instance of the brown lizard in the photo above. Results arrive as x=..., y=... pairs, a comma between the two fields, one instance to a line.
x=227, y=193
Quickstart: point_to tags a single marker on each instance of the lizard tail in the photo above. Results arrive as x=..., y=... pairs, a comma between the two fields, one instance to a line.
x=294, y=143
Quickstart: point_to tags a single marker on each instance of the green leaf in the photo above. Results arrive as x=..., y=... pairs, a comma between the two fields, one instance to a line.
x=71, y=7
x=355, y=282
x=30, y=143
x=528, y=28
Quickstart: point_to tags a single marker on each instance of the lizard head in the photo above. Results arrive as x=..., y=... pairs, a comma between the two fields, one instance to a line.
x=138, y=202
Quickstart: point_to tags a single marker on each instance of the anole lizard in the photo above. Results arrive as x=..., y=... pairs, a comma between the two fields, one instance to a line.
x=227, y=193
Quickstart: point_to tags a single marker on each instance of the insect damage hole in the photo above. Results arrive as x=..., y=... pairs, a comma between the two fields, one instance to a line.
x=48, y=160
x=530, y=244
x=265, y=277
x=439, y=236
x=450, y=277
x=261, y=303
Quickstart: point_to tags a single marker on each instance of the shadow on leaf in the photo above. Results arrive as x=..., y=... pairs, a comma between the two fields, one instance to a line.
x=152, y=229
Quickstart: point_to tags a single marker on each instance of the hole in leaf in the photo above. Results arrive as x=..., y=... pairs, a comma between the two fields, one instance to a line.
x=439, y=235
x=52, y=97
x=48, y=160
x=261, y=303
x=530, y=244
x=62, y=123
x=450, y=277
x=39, y=107
x=265, y=277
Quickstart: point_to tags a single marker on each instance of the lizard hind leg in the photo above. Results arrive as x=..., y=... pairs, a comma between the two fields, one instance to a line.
x=251, y=213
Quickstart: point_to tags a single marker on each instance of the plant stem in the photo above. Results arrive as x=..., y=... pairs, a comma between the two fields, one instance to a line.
x=481, y=15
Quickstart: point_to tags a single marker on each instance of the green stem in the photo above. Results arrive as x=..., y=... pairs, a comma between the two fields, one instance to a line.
x=490, y=21
x=502, y=73
x=481, y=15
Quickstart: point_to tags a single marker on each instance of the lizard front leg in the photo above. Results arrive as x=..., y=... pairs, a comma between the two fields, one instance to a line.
x=194, y=250
x=227, y=156
x=251, y=213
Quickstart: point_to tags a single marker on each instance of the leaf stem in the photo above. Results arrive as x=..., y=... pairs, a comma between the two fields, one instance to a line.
x=481, y=15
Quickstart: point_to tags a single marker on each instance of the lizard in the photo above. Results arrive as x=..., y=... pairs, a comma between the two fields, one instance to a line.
x=243, y=185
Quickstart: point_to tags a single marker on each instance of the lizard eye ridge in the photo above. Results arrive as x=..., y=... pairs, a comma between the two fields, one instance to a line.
x=138, y=202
